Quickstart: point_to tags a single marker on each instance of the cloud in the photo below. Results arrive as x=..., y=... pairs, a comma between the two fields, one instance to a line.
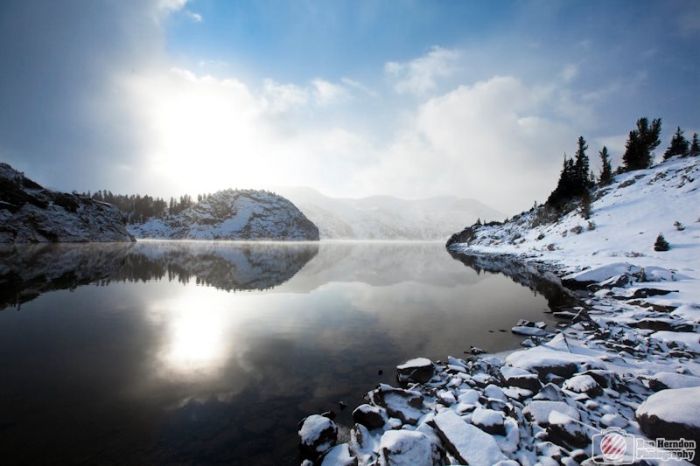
x=569, y=72
x=195, y=17
x=420, y=75
x=280, y=98
x=326, y=93
x=491, y=140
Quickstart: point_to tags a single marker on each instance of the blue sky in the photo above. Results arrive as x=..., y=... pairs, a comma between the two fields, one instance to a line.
x=409, y=98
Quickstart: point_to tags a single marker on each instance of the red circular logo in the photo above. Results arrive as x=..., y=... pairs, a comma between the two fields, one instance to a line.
x=613, y=446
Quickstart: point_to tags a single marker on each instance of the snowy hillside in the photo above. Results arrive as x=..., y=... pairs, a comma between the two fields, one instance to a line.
x=29, y=213
x=235, y=215
x=386, y=217
x=625, y=219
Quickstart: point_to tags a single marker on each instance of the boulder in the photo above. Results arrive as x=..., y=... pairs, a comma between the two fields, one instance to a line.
x=489, y=420
x=419, y=370
x=467, y=443
x=408, y=448
x=372, y=417
x=583, y=383
x=672, y=414
x=404, y=405
x=317, y=435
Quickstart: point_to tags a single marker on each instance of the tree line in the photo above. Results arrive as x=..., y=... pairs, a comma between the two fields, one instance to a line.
x=577, y=179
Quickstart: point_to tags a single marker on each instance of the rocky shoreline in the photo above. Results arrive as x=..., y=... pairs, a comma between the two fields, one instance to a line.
x=616, y=361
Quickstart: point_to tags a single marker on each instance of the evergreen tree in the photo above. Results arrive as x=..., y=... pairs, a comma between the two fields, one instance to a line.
x=640, y=143
x=581, y=168
x=694, y=146
x=679, y=145
x=606, y=171
x=661, y=244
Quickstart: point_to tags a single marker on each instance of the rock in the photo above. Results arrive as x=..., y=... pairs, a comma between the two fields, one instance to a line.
x=516, y=377
x=529, y=331
x=467, y=443
x=583, y=384
x=339, y=455
x=317, y=435
x=404, y=405
x=419, y=370
x=30, y=213
x=672, y=414
x=538, y=411
x=565, y=431
x=664, y=380
x=489, y=420
x=408, y=448
x=372, y=417
x=613, y=420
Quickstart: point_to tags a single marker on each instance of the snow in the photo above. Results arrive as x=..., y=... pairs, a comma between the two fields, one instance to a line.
x=339, y=455
x=626, y=221
x=313, y=428
x=547, y=356
x=680, y=405
x=233, y=214
x=529, y=331
x=580, y=384
x=406, y=448
x=487, y=417
x=414, y=363
x=689, y=339
x=540, y=410
x=470, y=443
x=674, y=380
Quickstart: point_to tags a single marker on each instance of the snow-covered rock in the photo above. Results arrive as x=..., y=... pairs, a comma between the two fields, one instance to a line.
x=539, y=411
x=415, y=370
x=339, y=455
x=583, y=384
x=369, y=416
x=233, y=215
x=672, y=413
x=467, y=443
x=489, y=420
x=407, y=448
x=317, y=435
x=30, y=213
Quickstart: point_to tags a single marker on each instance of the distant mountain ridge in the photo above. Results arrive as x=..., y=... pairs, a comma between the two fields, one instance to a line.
x=233, y=215
x=387, y=217
x=30, y=213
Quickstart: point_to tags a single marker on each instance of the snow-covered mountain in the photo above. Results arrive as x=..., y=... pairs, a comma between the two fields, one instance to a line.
x=30, y=213
x=625, y=219
x=234, y=215
x=386, y=217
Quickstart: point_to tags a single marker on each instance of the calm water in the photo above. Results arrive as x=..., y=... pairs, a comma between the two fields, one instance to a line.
x=200, y=353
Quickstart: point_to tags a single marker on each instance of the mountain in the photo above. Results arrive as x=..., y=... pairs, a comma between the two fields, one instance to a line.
x=386, y=217
x=234, y=215
x=30, y=213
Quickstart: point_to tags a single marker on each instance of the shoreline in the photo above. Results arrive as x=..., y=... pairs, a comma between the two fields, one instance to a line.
x=548, y=402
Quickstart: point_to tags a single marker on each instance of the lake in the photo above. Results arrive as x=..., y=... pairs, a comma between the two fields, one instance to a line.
x=211, y=352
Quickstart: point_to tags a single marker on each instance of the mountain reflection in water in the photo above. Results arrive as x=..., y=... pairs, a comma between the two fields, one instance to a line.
x=211, y=352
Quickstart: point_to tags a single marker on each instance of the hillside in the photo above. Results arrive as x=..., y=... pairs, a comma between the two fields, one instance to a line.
x=625, y=219
x=233, y=215
x=386, y=217
x=30, y=213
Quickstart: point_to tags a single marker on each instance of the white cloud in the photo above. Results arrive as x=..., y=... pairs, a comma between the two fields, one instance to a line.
x=171, y=5
x=280, y=98
x=489, y=141
x=420, y=75
x=326, y=93
x=196, y=17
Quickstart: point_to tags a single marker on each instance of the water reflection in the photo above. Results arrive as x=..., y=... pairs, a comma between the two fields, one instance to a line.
x=159, y=364
x=26, y=271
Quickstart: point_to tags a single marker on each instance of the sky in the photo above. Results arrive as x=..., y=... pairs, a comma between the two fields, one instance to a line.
x=353, y=98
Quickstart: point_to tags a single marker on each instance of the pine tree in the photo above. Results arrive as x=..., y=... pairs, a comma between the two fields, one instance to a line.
x=679, y=145
x=581, y=166
x=694, y=146
x=661, y=244
x=606, y=171
x=640, y=144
